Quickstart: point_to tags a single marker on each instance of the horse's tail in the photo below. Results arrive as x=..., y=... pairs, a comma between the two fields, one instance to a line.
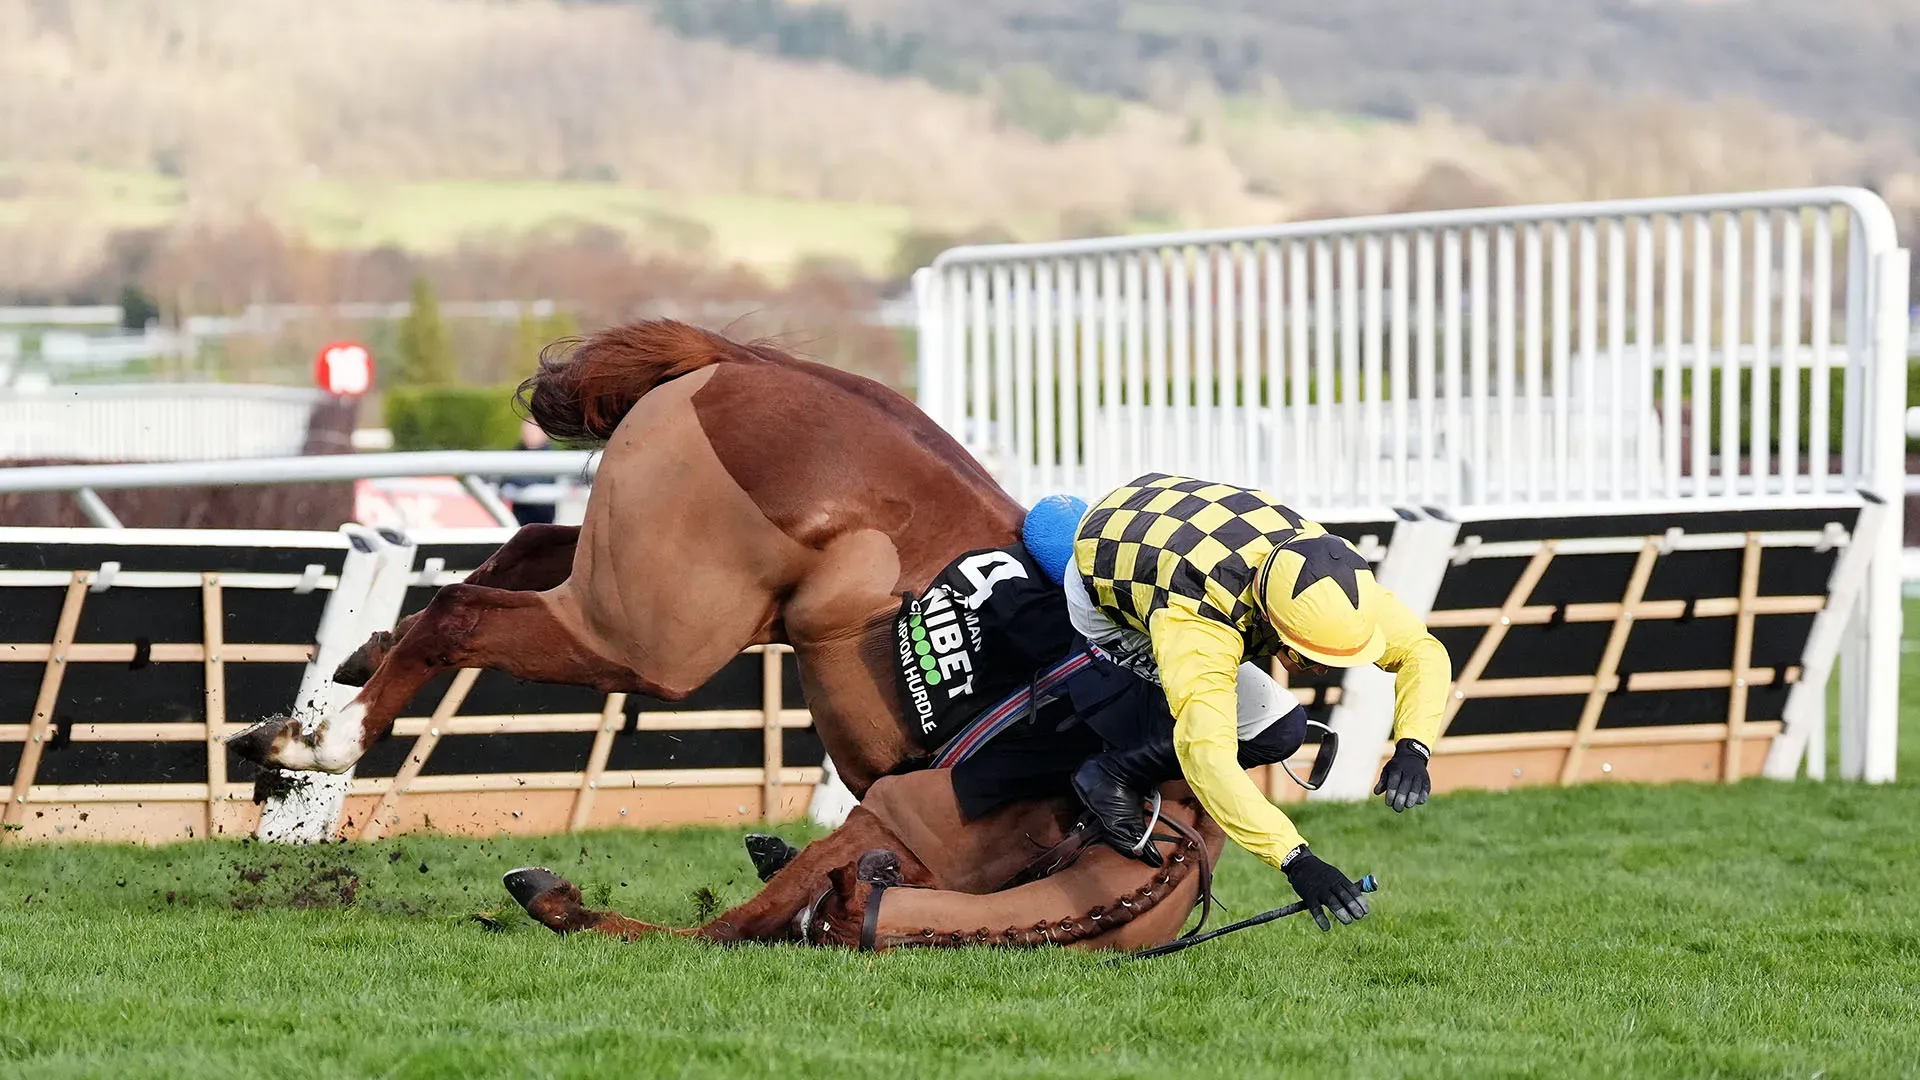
x=586, y=386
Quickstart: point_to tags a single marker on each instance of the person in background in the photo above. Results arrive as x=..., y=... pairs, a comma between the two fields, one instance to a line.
x=532, y=499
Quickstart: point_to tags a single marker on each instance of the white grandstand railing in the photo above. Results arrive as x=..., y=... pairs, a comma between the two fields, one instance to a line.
x=1471, y=357
x=1521, y=355
x=155, y=421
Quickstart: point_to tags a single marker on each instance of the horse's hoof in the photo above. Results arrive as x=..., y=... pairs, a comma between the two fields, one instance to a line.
x=528, y=883
x=257, y=742
x=770, y=854
x=357, y=669
x=553, y=901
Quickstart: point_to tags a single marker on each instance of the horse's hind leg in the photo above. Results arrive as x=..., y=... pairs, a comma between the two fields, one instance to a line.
x=772, y=915
x=536, y=558
x=912, y=816
x=520, y=633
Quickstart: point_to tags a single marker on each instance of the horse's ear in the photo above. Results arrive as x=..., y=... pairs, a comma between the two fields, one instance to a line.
x=843, y=879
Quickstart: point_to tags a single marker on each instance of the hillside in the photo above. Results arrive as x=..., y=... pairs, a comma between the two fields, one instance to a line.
x=1848, y=64
x=770, y=131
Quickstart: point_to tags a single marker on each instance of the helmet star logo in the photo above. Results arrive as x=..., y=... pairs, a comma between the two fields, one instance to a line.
x=1327, y=556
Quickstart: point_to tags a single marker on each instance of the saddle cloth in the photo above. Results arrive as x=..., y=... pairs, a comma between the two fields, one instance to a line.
x=989, y=626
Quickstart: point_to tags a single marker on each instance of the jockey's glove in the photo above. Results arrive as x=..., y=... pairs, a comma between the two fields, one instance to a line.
x=1404, y=779
x=1322, y=886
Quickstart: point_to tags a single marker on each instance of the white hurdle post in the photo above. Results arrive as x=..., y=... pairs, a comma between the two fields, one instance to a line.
x=373, y=585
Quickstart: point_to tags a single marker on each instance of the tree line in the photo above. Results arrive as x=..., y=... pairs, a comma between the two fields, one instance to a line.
x=1848, y=63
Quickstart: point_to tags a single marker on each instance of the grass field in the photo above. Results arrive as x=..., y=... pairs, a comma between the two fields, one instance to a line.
x=1760, y=930
x=765, y=232
x=770, y=233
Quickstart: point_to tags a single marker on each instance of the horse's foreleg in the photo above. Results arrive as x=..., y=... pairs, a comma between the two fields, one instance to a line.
x=537, y=558
x=772, y=915
x=465, y=626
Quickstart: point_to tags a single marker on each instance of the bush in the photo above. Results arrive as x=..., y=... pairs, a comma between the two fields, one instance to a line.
x=425, y=348
x=1028, y=96
x=452, y=418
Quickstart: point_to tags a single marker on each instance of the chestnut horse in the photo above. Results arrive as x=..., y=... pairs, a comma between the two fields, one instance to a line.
x=746, y=497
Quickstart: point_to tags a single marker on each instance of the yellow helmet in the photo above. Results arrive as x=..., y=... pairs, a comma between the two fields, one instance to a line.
x=1320, y=595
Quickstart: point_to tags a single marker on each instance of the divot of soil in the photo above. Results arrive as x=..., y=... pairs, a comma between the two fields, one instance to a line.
x=320, y=885
x=337, y=885
x=273, y=783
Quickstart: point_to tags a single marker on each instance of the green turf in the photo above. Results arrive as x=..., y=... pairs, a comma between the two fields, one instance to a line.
x=1760, y=930
x=762, y=231
x=766, y=232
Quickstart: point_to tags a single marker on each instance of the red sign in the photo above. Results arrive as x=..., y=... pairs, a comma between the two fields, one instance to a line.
x=344, y=367
x=419, y=502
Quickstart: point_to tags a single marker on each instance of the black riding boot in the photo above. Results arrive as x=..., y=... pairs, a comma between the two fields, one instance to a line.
x=1115, y=786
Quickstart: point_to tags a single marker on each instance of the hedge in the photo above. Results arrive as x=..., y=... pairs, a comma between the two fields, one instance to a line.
x=452, y=418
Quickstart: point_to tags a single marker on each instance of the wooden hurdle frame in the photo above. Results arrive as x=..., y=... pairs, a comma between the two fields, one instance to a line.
x=213, y=806
x=224, y=802
x=591, y=794
x=595, y=794
x=1729, y=747
x=568, y=801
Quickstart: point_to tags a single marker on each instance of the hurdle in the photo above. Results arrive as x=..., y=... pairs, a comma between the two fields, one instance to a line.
x=130, y=655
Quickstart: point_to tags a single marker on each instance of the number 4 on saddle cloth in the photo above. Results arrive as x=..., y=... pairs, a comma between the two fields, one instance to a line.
x=988, y=635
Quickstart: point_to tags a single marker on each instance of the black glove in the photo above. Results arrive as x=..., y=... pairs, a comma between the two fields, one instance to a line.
x=1320, y=885
x=1404, y=780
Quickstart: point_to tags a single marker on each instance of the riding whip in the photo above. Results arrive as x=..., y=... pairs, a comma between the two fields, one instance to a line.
x=1367, y=884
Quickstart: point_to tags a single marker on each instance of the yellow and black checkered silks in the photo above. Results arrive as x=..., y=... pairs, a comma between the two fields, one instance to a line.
x=1164, y=539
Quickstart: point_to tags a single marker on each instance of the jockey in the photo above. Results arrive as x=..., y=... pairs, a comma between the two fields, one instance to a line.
x=1182, y=583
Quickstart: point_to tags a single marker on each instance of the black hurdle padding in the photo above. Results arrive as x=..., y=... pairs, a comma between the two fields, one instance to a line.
x=736, y=686
x=132, y=614
x=143, y=691
x=179, y=558
x=123, y=763
x=1493, y=529
x=1694, y=643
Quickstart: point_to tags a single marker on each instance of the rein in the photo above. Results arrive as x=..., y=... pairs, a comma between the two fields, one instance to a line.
x=1085, y=834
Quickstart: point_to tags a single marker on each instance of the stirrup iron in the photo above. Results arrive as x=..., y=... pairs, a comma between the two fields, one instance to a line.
x=1322, y=760
x=1147, y=835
